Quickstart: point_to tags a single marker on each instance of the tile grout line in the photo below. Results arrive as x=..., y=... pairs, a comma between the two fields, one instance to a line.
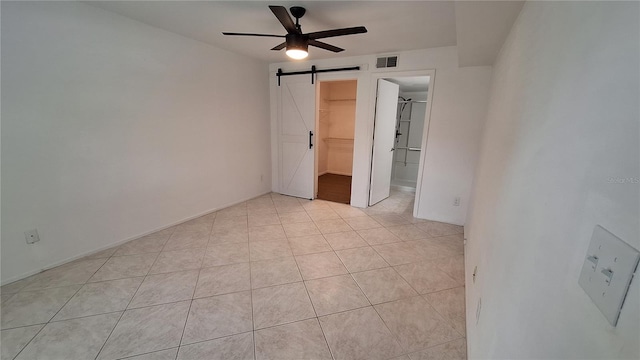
x=27, y=344
x=147, y=353
x=285, y=208
x=405, y=351
x=195, y=287
x=318, y=318
x=65, y=304
x=253, y=324
x=130, y=300
x=450, y=323
x=324, y=336
x=240, y=291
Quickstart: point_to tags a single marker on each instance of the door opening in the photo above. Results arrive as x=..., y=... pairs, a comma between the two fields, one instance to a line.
x=335, y=134
x=400, y=124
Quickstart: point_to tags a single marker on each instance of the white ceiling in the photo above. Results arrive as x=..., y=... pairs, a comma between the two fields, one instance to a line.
x=482, y=27
x=393, y=25
x=411, y=83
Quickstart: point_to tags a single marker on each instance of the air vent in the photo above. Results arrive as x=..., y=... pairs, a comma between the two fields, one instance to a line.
x=387, y=62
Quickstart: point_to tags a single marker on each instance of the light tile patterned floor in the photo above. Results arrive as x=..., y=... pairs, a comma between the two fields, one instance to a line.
x=273, y=278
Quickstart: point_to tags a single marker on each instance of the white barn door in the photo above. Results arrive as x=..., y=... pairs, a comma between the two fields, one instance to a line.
x=296, y=135
x=384, y=136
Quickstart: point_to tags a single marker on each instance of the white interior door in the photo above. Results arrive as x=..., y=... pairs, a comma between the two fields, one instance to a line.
x=296, y=124
x=384, y=135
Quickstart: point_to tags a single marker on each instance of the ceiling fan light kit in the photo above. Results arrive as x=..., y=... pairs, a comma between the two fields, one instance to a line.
x=296, y=42
x=297, y=46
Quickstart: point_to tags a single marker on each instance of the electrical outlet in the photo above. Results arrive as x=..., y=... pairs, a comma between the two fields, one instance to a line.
x=456, y=201
x=32, y=236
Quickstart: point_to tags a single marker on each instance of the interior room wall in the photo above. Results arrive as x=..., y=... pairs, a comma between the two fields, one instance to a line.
x=342, y=111
x=459, y=106
x=406, y=173
x=112, y=129
x=457, y=116
x=560, y=154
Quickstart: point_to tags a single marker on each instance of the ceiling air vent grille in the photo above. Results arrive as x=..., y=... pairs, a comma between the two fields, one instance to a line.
x=387, y=62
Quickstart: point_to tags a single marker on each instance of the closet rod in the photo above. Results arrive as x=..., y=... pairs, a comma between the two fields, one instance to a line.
x=412, y=101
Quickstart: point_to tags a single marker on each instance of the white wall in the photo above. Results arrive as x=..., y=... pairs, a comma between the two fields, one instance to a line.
x=112, y=129
x=458, y=111
x=460, y=97
x=563, y=119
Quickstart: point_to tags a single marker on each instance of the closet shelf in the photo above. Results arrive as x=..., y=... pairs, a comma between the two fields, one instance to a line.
x=338, y=140
x=350, y=99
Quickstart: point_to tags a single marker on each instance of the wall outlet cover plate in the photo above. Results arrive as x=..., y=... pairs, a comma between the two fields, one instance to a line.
x=607, y=272
x=32, y=236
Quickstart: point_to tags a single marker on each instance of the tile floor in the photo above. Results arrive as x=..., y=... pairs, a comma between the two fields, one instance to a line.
x=273, y=278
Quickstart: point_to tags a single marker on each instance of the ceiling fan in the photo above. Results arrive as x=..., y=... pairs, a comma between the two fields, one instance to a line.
x=296, y=42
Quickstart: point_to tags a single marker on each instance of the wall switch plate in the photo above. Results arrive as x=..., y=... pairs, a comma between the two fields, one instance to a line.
x=607, y=272
x=32, y=236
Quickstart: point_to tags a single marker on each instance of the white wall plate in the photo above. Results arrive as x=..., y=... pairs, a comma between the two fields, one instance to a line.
x=607, y=272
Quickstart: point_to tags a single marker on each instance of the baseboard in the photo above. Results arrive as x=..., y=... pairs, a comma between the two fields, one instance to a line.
x=404, y=183
x=120, y=242
x=337, y=173
x=404, y=188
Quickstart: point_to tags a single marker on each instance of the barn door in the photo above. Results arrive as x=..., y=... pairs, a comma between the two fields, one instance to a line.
x=296, y=130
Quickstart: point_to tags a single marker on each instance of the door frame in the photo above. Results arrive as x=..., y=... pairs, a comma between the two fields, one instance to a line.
x=427, y=122
x=328, y=77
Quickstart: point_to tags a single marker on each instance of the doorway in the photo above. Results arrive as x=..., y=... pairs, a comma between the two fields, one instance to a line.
x=400, y=128
x=335, y=133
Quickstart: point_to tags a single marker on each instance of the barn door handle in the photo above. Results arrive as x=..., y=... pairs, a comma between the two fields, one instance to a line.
x=310, y=143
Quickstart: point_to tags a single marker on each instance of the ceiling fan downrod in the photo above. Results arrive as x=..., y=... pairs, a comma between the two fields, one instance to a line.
x=298, y=12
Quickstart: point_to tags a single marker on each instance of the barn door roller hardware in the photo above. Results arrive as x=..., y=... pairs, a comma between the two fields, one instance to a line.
x=313, y=72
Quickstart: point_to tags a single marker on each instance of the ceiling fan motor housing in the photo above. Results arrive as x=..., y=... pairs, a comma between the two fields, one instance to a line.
x=297, y=41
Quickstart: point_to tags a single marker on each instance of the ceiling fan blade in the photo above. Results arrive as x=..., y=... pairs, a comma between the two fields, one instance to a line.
x=250, y=34
x=280, y=47
x=283, y=15
x=337, y=32
x=325, y=46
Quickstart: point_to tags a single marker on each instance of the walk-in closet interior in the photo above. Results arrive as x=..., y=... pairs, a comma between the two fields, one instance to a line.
x=336, y=128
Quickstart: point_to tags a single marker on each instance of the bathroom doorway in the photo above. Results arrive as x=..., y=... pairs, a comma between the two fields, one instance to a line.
x=412, y=108
x=400, y=129
x=335, y=133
